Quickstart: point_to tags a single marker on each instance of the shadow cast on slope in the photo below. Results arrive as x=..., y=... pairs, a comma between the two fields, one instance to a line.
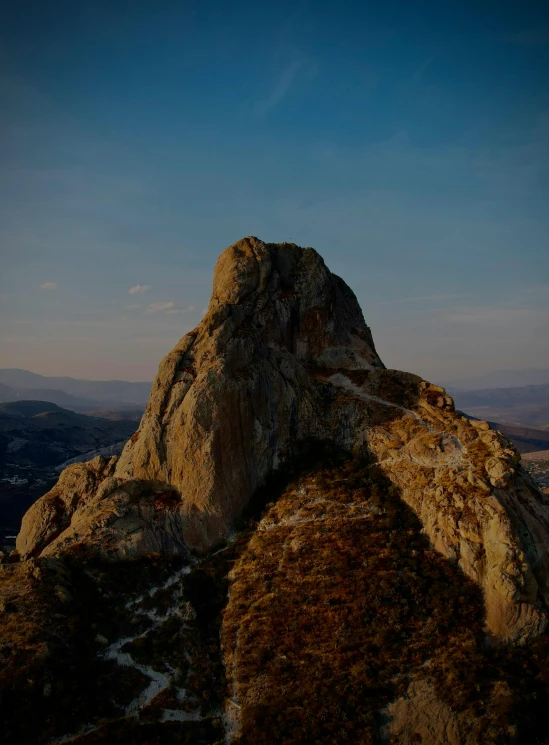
x=339, y=615
x=333, y=612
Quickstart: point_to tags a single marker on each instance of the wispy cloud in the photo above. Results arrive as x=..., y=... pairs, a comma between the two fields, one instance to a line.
x=132, y=307
x=160, y=307
x=420, y=298
x=280, y=87
x=507, y=169
x=138, y=289
x=172, y=311
x=418, y=74
x=49, y=286
x=169, y=308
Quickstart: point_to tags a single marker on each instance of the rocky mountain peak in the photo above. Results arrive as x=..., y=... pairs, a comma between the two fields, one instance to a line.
x=235, y=395
x=283, y=355
x=393, y=585
x=294, y=301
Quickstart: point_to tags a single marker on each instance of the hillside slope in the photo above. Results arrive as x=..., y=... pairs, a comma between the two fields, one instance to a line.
x=526, y=406
x=102, y=391
x=39, y=433
x=37, y=436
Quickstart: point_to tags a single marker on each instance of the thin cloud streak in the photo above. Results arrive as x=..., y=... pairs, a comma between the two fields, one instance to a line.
x=160, y=307
x=423, y=297
x=280, y=88
x=173, y=311
x=49, y=286
x=418, y=74
x=139, y=289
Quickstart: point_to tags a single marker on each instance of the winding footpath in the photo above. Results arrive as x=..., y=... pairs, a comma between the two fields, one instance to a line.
x=159, y=682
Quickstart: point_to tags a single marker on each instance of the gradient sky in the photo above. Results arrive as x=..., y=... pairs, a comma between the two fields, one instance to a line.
x=408, y=142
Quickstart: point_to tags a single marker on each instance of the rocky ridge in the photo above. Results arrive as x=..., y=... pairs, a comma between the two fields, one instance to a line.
x=282, y=357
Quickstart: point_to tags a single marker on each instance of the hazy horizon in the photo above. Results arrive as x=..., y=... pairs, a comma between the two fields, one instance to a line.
x=530, y=376
x=408, y=144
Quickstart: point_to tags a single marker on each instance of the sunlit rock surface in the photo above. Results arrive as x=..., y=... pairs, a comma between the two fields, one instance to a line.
x=283, y=354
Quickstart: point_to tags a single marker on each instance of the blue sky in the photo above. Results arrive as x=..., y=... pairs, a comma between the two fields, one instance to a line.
x=408, y=142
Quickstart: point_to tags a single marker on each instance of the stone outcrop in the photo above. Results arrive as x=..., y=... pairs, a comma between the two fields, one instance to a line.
x=51, y=515
x=421, y=716
x=283, y=354
x=91, y=511
x=477, y=505
x=235, y=395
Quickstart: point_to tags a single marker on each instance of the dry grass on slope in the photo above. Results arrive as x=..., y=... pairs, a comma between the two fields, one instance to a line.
x=51, y=678
x=338, y=602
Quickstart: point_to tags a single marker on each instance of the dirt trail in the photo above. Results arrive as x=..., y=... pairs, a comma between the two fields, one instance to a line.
x=159, y=682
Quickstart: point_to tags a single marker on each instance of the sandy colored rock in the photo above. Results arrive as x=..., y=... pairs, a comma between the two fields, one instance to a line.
x=421, y=717
x=284, y=354
x=235, y=395
x=52, y=514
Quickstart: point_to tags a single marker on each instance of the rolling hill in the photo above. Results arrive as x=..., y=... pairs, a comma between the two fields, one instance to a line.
x=39, y=433
x=120, y=392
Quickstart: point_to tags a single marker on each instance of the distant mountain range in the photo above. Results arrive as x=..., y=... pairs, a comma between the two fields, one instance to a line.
x=42, y=434
x=525, y=406
x=37, y=436
x=527, y=394
x=71, y=393
x=497, y=396
x=500, y=379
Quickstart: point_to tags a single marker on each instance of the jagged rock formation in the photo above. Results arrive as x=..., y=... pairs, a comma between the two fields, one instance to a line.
x=236, y=394
x=139, y=518
x=361, y=601
x=284, y=354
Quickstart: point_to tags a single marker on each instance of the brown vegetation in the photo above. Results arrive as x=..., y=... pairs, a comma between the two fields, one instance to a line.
x=338, y=602
x=51, y=679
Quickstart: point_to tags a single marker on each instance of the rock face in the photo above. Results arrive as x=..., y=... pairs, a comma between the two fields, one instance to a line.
x=89, y=510
x=234, y=396
x=423, y=715
x=283, y=354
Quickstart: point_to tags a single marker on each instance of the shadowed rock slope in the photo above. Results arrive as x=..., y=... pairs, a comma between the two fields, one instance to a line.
x=283, y=357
